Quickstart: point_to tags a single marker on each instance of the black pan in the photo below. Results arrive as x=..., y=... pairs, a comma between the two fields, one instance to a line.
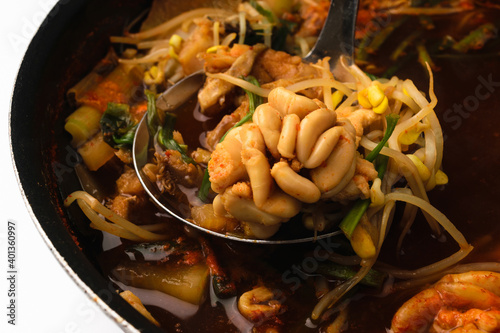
x=75, y=36
x=71, y=40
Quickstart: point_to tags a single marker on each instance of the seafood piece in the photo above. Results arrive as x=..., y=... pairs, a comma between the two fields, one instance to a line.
x=226, y=123
x=244, y=209
x=288, y=136
x=269, y=121
x=336, y=167
x=288, y=102
x=466, y=302
x=213, y=96
x=311, y=128
x=259, y=304
x=358, y=186
x=294, y=184
x=226, y=167
x=279, y=69
x=197, y=43
x=259, y=173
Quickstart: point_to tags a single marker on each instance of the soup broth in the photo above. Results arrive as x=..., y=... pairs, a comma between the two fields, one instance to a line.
x=466, y=86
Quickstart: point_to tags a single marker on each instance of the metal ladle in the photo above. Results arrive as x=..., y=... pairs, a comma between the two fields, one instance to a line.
x=335, y=40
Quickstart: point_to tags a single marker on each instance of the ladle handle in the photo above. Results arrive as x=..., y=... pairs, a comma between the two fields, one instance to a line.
x=337, y=36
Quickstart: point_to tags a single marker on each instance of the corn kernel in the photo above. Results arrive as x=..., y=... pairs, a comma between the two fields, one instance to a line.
x=441, y=178
x=423, y=170
x=382, y=107
x=337, y=98
x=175, y=41
x=375, y=95
x=363, y=99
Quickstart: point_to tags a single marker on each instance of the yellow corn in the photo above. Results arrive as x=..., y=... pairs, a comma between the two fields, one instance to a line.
x=373, y=98
x=363, y=99
x=411, y=134
x=337, y=98
x=175, y=41
x=375, y=94
x=441, y=178
x=382, y=107
x=423, y=170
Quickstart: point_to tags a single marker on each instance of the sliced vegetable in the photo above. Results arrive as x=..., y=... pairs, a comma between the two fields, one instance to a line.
x=374, y=278
x=96, y=152
x=224, y=287
x=160, y=251
x=476, y=39
x=424, y=57
x=117, y=126
x=188, y=283
x=384, y=34
x=82, y=124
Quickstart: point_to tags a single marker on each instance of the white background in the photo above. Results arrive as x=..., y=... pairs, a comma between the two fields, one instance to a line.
x=48, y=300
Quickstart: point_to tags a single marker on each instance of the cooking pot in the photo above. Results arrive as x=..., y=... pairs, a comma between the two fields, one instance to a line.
x=71, y=40
x=75, y=36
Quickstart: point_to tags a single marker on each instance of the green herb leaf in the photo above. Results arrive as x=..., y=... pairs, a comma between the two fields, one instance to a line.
x=353, y=217
x=392, y=121
x=117, y=126
x=153, y=119
x=166, y=137
x=264, y=12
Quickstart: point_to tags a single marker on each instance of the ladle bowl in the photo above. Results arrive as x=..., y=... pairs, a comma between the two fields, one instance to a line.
x=335, y=40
